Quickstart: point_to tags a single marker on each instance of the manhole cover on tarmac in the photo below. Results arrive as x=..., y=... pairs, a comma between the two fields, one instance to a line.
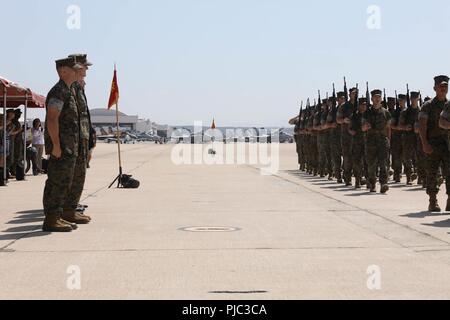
x=210, y=229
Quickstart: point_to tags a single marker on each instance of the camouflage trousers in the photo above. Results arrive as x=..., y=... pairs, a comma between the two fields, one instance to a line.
x=300, y=152
x=336, y=153
x=79, y=178
x=409, y=147
x=397, y=153
x=439, y=159
x=324, y=154
x=314, y=153
x=346, y=142
x=377, y=154
x=65, y=183
x=358, y=156
x=421, y=160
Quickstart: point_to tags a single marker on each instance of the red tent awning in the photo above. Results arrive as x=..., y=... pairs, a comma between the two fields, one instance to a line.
x=16, y=95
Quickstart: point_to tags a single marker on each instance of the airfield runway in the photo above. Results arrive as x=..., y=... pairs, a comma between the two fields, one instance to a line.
x=223, y=232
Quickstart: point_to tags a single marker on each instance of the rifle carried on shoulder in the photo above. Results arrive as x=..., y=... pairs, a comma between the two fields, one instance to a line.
x=334, y=98
x=355, y=112
x=345, y=90
x=408, y=97
x=367, y=95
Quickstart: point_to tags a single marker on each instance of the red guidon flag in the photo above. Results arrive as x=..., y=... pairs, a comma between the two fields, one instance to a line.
x=213, y=126
x=114, y=96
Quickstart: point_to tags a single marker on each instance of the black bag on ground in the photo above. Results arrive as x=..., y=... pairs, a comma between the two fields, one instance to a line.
x=20, y=174
x=129, y=183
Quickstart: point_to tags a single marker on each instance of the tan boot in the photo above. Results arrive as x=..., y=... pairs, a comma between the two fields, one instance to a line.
x=74, y=217
x=73, y=225
x=434, y=206
x=79, y=213
x=52, y=223
x=384, y=188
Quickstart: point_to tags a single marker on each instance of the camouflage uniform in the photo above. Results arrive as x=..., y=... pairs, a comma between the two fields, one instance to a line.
x=396, y=146
x=297, y=145
x=335, y=145
x=421, y=158
x=61, y=171
x=438, y=140
x=327, y=145
x=358, y=146
x=312, y=149
x=408, y=117
x=377, y=145
x=79, y=177
x=321, y=151
x=346, y=111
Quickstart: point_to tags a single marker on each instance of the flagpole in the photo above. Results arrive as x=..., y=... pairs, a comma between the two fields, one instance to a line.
x=115, y=90
x=118, y=143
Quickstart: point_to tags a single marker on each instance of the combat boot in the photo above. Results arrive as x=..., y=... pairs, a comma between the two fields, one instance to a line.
x=53, y=223
x=448, y=205
x=434, y=206
x=74, y=217
x=372, y=186
x=363, y=181
x=81, y=209
x=414, y=177
x=358, y=183
x=397, y=178
x=384, y=188
x=408, y=181
x=73, y=225
x=2, y=181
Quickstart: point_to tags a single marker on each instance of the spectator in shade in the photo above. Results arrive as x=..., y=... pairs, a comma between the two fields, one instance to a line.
x=38, y=142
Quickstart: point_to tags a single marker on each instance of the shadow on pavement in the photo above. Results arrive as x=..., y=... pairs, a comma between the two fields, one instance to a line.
x=423, y=214
x=28, y=224
x=439, y=224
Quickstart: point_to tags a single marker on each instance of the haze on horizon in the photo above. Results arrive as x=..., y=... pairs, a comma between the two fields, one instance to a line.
x=244, y=63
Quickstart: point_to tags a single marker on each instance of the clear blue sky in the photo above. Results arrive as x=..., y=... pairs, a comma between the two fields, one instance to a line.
x=245, y=62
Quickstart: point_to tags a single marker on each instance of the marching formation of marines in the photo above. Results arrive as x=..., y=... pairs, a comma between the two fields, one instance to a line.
x=374, y=138
x=67, y=137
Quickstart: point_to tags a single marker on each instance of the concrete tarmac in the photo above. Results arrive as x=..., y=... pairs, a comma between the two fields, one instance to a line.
x=281, y=236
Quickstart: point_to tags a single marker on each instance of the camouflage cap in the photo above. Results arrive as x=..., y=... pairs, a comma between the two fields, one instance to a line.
x=353, y=89
x=341, y=94
x=415, y=95
x=362, y=101
x=376, y=92
x=402, y=96
x=68, y=62
x=81, y=58
x=391, y=99
x=441, y=80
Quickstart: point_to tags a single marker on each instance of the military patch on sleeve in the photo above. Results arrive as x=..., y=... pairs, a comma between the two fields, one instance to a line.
x=445, y=115
x=55, y=103
x=423, y=115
